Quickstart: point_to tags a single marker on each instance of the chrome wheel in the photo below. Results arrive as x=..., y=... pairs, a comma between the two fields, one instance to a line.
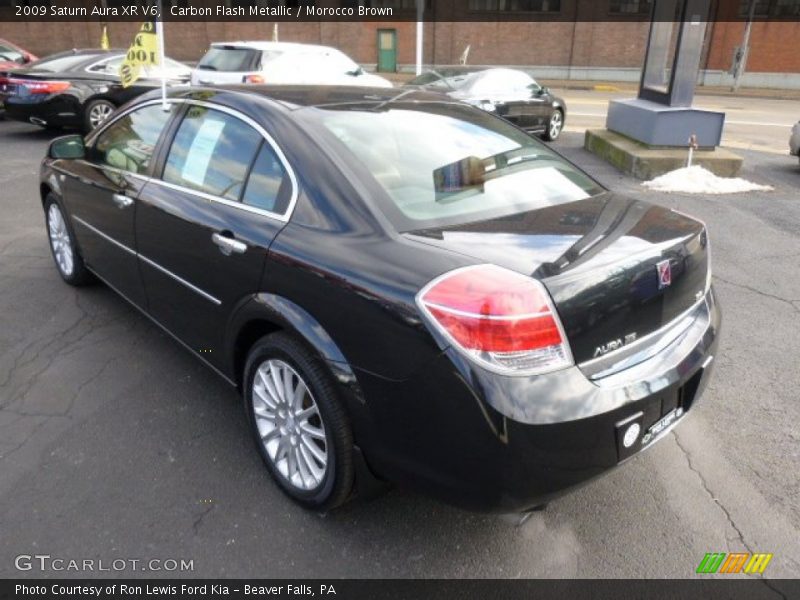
x=290, y=425
x=60, y=241
x=99, y=112
x=556, y=123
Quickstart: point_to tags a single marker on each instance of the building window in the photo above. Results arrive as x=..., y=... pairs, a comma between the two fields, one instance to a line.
x=766, y=9
x=539, y=6
x=630, y=7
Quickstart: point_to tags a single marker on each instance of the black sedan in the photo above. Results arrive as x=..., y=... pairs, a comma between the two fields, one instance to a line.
x=77, y=89
x=509, y=93
x=402, y=287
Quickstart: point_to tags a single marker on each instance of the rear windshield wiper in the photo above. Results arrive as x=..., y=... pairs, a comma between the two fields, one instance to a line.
x=442, y=79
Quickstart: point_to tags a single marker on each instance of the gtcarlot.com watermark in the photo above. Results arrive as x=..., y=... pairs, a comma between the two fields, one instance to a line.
x=46, y=562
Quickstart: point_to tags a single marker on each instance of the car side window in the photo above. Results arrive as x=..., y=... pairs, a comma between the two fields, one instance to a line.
x=129, y=143
x=212, y=152
x=267, y=186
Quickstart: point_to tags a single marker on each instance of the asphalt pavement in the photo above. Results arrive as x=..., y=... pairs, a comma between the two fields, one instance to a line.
x=115, y=443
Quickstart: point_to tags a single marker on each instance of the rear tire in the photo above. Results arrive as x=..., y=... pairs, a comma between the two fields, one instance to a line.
x=96, y=113
x=300, y=427
x=69, y=263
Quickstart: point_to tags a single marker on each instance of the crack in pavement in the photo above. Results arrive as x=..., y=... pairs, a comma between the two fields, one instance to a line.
x=791, y=302
x=199, y=519
x=60, y=348
x=725, y=511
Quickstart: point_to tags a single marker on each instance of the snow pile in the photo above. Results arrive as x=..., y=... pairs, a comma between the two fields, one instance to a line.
x=697, y=180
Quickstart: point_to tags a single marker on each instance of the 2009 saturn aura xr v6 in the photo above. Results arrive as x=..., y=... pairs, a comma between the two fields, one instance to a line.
x=404, y=288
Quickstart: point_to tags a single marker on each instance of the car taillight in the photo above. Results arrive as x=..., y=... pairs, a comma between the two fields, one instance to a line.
x=41, y=87
x=503, y=320
x=253, y=79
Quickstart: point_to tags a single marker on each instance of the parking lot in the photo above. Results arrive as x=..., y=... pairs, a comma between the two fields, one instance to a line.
x=116, y=443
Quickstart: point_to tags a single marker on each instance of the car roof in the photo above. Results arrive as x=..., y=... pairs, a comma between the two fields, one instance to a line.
x=301, y=96
x=294, y=97
x=282, y=46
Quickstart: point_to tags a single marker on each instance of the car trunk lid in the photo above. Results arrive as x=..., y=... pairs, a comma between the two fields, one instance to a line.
x=618, y=269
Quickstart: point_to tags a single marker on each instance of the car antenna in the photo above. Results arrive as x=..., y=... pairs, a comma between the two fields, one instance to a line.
x=395, y=98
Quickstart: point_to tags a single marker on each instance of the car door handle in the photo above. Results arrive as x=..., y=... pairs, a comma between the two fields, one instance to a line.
x=122, y=201
x=228, y=245
x=204, y=81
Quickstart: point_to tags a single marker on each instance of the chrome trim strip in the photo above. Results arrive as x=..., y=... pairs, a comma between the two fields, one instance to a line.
x=621, y=354
x=154, y=264
x=165, y=330
x=283, y=217
x=105, y=236
x=144, y=178
x=194, y=288
x=462, y=313
x=212, y=198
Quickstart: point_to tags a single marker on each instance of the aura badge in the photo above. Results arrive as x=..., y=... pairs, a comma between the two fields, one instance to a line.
x=664, y=271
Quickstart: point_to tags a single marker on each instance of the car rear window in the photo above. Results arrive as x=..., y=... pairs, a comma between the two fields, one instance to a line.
x=229, y=58
x=444, y=164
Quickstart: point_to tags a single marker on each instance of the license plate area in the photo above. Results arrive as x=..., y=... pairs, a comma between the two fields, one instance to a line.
x=652, y=421
x=661, y=426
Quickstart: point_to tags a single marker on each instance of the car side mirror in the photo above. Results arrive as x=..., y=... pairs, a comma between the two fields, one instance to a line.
x=356, y=72
x=26, y=59
x=68, y=147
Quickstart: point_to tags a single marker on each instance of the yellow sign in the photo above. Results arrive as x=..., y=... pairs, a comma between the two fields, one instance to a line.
x=104, y=43
x=143, y=51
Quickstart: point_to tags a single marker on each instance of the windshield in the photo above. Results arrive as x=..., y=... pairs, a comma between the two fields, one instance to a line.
x=9, y=53
x=443, y=164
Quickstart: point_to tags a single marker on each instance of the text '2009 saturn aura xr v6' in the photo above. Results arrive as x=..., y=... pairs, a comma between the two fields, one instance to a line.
x=404, y=288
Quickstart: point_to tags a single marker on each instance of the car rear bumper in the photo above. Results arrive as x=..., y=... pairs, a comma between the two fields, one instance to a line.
x=55, y=111
x=504, y=444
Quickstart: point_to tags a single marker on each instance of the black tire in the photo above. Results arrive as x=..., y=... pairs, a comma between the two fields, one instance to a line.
x=336, y=484
x=96, y=105
x=78, y=275
x=549, y=134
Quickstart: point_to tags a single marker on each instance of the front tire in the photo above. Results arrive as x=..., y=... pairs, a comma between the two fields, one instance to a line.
x=554, y=126
x=300, y=428
x=62, y=245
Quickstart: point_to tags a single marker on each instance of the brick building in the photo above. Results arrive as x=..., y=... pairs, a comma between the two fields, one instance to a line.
x=559, y=39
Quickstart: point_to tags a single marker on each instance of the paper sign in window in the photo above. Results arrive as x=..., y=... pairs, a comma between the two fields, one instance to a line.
x=199, y=155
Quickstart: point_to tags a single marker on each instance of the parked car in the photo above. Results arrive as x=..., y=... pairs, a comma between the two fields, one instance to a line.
x=280, y=63
x=77, y=89
x=12, y=56
x=794, y=140
x=509, y=93
x=403, y=287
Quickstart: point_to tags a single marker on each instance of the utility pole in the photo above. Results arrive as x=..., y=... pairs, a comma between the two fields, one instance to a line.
x=420, y=13
x=741, y=58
